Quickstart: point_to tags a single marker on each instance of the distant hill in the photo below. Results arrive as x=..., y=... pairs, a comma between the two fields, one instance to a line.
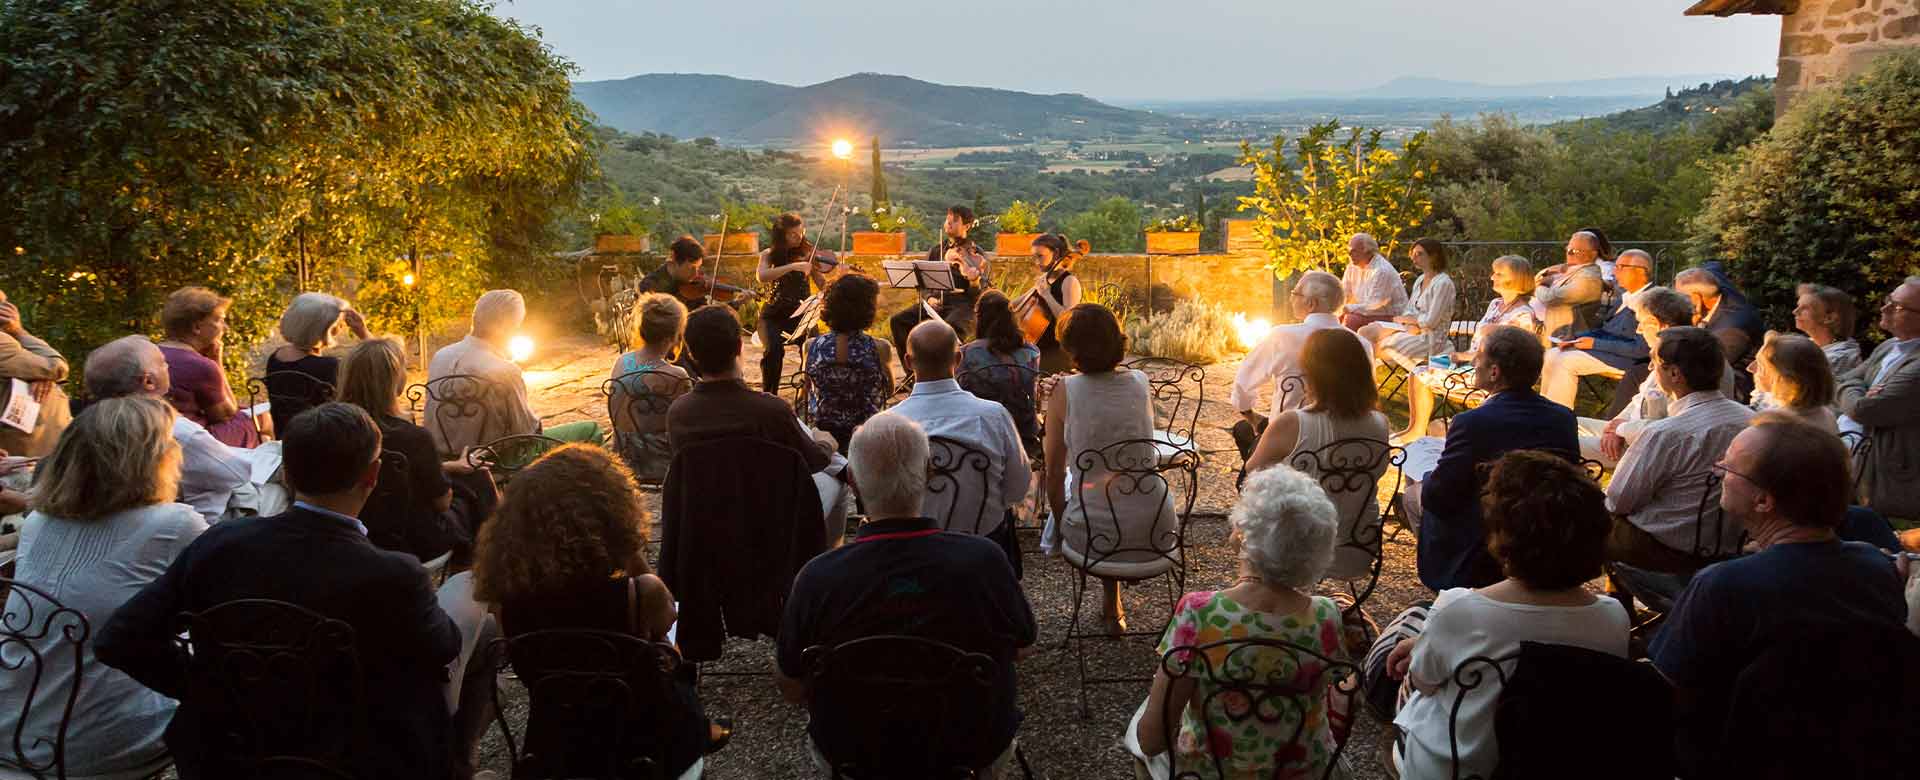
x=1747, y=100
x=1418, y=87
x=901, y=110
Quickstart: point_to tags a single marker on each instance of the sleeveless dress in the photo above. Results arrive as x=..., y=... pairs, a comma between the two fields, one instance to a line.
x=1053, y=358
x=1357, y=539
x=845, y=391
x=1108, y=524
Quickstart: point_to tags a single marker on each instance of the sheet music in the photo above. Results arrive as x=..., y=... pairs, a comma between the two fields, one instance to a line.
x=22, y=412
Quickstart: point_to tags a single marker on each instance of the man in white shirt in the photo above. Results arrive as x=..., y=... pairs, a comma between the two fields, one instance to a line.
x=500, y=406
x=945, y=411
x=1660, y=486
x=1371, y=285
x=1315, y=298
x=210, y=472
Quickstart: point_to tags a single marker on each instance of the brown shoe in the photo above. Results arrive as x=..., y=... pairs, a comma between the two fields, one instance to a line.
x=1910, y=539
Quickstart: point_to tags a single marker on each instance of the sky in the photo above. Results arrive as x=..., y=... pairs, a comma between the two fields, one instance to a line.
x=1191, y=49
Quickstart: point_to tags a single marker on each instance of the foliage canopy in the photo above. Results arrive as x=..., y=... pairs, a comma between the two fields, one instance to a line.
x=1310, y=201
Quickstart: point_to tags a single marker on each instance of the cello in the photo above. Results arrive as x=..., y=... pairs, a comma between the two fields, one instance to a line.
x=1028, y=310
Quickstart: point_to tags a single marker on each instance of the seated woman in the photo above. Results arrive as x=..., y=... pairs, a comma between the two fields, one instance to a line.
x=438, y=508
x=1791, y=374
x=105, y=525
x=1115, y=529
x=567, y=551
x=1340, y=380
x=1011, y=384
x=1513, y=282
x=1547, y=525
x=309, y=326
x=1429, y=311
x=648, y=381
x=1284, y=526
x=1827, y=315
x=850, y=372
x=195, y=320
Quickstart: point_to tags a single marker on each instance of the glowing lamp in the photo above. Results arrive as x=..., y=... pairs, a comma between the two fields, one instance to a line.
x=407, y=280
x=1250, y=331
x=520, y=348
x=843, y=148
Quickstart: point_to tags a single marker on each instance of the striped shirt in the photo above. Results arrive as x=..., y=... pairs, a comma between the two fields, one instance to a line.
x=1660, y=484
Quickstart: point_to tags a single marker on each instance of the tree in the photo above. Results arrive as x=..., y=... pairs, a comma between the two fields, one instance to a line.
x=1308, y=203
x=1112, y=225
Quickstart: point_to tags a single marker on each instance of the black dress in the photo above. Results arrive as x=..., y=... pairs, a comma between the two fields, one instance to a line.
x=401, y=517
x=292, y=395
x=779, y=314
x=1052, y=357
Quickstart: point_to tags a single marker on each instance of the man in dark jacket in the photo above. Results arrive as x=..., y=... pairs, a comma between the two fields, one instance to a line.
x=315, y=555
x=1453, y=543
x=1719, y=307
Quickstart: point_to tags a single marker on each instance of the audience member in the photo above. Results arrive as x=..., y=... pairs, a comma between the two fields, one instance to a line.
x=317, y=556
x=1284, y=527
x=105, y=526
x=1659, y=486
x=1827, y=315
x=26, y=357
x=195, y=321
x=904, y=576
x=646, y=381
x=793, y=271
x=1423, y=324
x=1344, y=410
x=1786, y=485
x=1315, y=297
x=1882, y=395
x=1731, y=320
x=1791, y=374
x=1567, y=296
x=1452, y=549
x=496, y=405
x=1607, y=257
x=1615, y=346
x=568, y=551
x=942, y=409
x=1055, y=292
x=309, y=327
x=850, y=372
x=1512, y=306
x=1547, y=530
x=1113, y=533
x=999, y=365
x=1370, y=284
x=211, y=473
x=1656, y=310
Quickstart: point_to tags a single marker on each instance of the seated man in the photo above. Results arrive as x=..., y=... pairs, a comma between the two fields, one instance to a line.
x=1315, y=299
x=41, y=368
x=211, y=473
x=1883, y=396
x=1786, y=485
x=503, y=408
x=1655, y=309
x=1452, y=549
x=1570, y=293
x=1719, y=308
x=1615, y=346
x=317, y=556
x=943, y=409
x=684, y=258
x=1370, y=284
x=1657, y=491
x=970, y=275
x=904, y=576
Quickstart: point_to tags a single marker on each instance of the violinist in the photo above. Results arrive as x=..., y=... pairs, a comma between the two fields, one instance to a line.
x=790, y=266
x=1054, y=291
x=970, y=267
x=680, y=277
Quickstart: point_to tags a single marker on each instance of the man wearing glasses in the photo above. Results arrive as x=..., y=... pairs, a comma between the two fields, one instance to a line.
x=1315, y=298
x=1571, y=291
x=1882, y=395
x=1614, y=347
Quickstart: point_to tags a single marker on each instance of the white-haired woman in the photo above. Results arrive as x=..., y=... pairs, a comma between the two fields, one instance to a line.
x=1284, y=525
x=105, y=525
x=310, y=325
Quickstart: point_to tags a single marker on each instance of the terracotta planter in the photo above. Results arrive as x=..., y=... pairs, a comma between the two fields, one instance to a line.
x=867, y=242
x=615, y=243
x=1014, y=244
x=737, y=244
x=1242, y=236
x=1173, y=243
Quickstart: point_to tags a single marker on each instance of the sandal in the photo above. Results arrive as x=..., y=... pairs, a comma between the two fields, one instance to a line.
x=720, y=732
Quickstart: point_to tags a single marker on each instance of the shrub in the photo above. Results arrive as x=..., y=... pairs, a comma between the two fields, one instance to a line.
x=1024, y=217
x=1196, y=332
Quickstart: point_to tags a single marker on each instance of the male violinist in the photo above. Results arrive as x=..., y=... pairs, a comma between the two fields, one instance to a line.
x=683, y=265
x=970, y=267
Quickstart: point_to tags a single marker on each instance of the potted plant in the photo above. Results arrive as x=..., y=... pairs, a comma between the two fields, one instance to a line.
x=1019, y=226
x=1174, y=236
x=889, y=234
x=742, y=223
x=621, y=226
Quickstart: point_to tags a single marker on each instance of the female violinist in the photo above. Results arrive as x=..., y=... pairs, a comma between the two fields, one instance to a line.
x=792, y=269
x=1054, y=291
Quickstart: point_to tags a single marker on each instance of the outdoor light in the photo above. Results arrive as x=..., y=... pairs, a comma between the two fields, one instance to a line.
x=407, y=280
x=843, y=148
x=1250, y=331
x=520, y=348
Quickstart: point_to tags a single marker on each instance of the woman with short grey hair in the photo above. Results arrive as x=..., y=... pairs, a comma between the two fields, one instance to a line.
x=309, y=325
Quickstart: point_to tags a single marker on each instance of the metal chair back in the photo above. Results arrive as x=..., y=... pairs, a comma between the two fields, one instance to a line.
x=958, y=475
x=288, y=393
x=1349, y=470
x=637, y=404
x=507, y=455
x=278, y=686
x=452, y=399
x=40, y=638
x=917, y=706
x=601, y=704
x=1469, y=676
x=1256, y=682
x=1120, y=478
x=1178, y=389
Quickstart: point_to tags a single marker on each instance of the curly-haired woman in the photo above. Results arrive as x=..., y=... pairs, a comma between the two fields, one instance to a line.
x=567, y=550
x=850, y=371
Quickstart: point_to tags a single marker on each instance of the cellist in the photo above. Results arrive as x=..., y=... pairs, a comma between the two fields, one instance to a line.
x=1054, y=291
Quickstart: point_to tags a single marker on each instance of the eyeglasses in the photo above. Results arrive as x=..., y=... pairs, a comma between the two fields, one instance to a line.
x=1572, y=251
x=1893, y=304
x=1723, y=471
x=1618, y=267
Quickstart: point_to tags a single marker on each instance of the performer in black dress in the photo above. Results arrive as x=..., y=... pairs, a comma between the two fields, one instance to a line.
x=970, y=276
x=790, y=266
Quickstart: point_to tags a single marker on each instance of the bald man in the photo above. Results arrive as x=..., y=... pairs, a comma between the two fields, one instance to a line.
x=957, y=421
x=210, y=472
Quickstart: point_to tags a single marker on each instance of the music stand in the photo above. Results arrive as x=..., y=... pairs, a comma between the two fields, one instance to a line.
x=922, y=275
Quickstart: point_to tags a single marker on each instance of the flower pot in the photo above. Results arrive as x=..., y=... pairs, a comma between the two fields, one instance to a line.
x=1243, y=236
x=616, y=243
x=868, y=242
x=1014, y=244
x=737, y=243
x=1173, y=243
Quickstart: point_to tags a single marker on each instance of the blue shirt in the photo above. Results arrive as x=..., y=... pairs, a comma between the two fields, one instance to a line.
x=350, y=520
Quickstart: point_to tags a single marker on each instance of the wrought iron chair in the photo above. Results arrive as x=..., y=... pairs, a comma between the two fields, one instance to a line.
x=453, y=398
x=1289, y=388
x=1256, y=681
x=917, y=705
x=797, y=389
x=1469, y=676
x=601, y=704
x=1456, y=394
x=1860, y=451
x=960, y=473
x=1178, y=390
x=631, y=398
x=39, y=639
x=1658, y=590
x=1354, y=467
x=288, y=393
x=279, y=686
x=900, y=391
x=507, y=455
x=393, y=496
x=1119, y=479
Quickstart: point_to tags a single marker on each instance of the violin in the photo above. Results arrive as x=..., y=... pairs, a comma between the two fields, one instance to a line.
x=706, y=287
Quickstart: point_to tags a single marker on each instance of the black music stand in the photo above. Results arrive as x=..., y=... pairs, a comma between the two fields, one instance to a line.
x=922, y=276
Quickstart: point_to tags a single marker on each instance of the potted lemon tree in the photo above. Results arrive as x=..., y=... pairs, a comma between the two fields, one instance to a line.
x=1174, y=236
x=1019, y=226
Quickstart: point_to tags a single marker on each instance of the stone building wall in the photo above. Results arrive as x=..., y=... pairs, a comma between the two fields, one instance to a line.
x=1825, y=41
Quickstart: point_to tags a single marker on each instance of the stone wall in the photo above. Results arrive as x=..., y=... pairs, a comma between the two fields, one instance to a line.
x=1240, y=282
x=1825, y=41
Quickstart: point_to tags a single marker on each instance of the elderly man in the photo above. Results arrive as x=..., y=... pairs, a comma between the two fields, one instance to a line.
x=1728, y=316
x=1372, y=288
x=1571, y=292
x=1315, y=298
x=947, y=412
x=463, y=413
x=1883, y=396
x=904, y=576
x=40, y=368
x=211, y=473
x=1658, y=488
x=1614, y=347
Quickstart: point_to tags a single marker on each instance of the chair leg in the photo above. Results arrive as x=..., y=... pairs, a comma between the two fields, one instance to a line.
x=1020, y=755
x=1072, y=642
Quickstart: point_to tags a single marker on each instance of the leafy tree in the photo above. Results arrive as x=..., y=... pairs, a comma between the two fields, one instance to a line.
x=1113, y=225
x=1309, y=202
